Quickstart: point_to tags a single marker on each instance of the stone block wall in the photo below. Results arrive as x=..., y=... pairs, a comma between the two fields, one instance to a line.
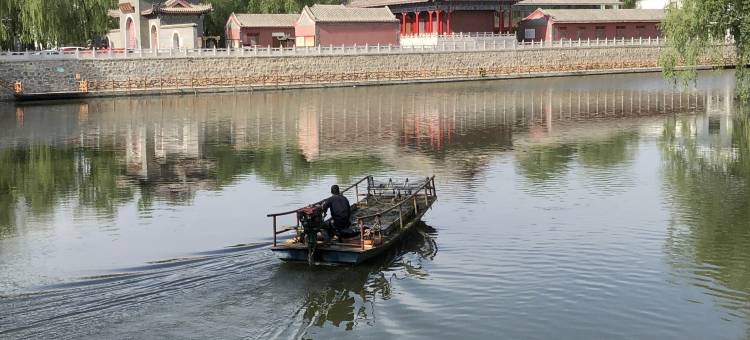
x=45, y=76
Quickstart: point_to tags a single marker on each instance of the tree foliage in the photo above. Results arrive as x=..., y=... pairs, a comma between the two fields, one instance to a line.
x=693, y=31
x=215, y=21
x=76, y=22
x=53, y=22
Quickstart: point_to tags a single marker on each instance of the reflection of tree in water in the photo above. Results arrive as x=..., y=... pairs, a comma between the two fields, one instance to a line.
x=709, y=183
x=285, y=168
x=40, y=177
x=542, y=163
x=608, y=153
x=547, y=162
x=343, y=296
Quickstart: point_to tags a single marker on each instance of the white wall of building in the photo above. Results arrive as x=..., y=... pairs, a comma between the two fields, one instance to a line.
x=186, y=33
x=115, y=39
x=654, y=4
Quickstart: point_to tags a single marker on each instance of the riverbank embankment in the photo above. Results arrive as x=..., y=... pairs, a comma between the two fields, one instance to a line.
x=242, y=70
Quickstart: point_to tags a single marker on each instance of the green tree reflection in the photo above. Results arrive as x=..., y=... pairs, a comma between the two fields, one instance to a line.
x=38, y=174
x=541, y=163
x=610, y=152
x=707, y=172
x=41, y=177
x=284, y=167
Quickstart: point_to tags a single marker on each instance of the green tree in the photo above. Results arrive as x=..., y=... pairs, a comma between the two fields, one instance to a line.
x=695, y=27
x=629, y=4
x=50, y=22
x=284, y=6
x=216, y=20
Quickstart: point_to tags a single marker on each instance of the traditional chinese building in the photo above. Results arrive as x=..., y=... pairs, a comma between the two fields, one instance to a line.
x=158, y=24
x=556, y=24
x=339, y=25
x=446, y=16
x=275, y=30
x=523, y=8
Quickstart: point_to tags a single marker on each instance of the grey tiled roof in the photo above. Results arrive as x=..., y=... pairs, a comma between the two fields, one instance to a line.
x=339, y=13
x=605, y=15
x=567, y=2
x=266, y=20
x=176, y=7
x=381, y=3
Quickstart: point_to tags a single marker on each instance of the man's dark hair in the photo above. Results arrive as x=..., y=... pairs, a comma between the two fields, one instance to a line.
x=335, y=189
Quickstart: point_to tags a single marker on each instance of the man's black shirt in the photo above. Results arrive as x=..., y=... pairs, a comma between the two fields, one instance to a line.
x=340, y=210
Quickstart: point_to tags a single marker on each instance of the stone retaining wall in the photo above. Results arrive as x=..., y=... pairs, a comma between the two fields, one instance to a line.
x=47, y=76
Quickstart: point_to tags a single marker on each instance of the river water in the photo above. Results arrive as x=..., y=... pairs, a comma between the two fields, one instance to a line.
x=612, y=207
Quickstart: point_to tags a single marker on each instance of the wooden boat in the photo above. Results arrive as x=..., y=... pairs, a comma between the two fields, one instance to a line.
x=381, y=214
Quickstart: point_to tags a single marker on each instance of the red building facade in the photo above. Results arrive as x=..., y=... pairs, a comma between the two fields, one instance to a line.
x=446, y=16
x=262, y=30
x=590, y=24
x=338, y=25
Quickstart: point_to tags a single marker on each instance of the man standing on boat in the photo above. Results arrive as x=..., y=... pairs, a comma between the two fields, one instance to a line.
x=340, y=211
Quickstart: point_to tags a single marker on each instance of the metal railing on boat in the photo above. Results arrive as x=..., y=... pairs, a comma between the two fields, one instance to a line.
x=354, y=186
x=429, y=191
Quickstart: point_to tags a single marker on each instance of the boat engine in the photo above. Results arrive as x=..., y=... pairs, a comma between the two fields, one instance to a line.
x=311, y=219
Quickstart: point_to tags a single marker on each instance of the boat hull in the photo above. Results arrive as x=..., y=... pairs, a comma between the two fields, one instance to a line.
x=341, y=256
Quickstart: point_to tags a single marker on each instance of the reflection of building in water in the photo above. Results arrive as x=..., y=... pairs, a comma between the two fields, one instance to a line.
x=19, y=116
x=289, y=135
x=711, y=133
x=338, y=123
x=149, y=149
x=308, y=133
x=169, y=147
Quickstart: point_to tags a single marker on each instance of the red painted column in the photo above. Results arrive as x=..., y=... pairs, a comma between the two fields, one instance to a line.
x=448, y=23
x=439, y=23
x=510, y=20
x=415, y=23
x=403, y=23
x=501, y=23
x=428, y=24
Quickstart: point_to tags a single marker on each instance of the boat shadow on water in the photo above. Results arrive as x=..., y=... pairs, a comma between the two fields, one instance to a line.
x=344, y=296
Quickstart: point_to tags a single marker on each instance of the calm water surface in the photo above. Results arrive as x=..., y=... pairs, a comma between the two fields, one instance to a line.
x=612, y=207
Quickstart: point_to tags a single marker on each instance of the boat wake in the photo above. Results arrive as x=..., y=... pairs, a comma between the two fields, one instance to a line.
x=236, y=292
x=61, y=310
